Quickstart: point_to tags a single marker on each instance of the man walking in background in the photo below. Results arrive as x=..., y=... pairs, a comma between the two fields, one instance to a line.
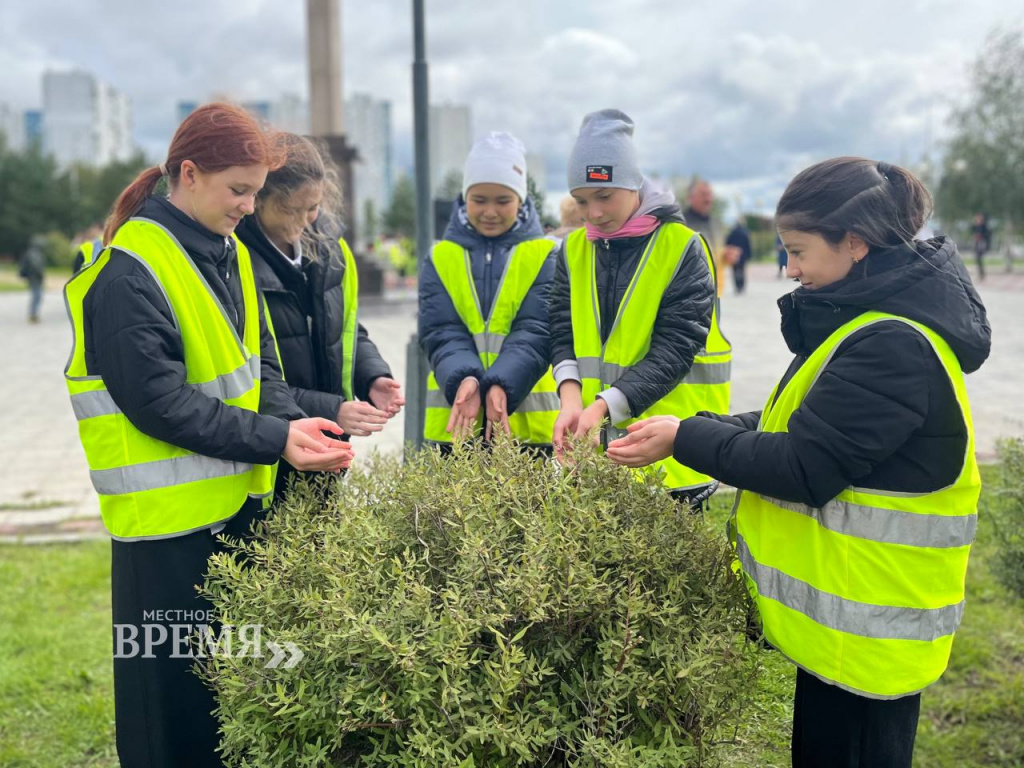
x=33, y=268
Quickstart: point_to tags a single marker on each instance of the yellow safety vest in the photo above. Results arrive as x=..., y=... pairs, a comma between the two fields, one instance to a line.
x=533, y=422
x=90, y=251
x=350, y=329
x=866, y=592
x=705, y=388
x=150, y=489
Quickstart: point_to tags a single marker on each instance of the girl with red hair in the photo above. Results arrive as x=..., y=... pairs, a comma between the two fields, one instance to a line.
x=182, y=413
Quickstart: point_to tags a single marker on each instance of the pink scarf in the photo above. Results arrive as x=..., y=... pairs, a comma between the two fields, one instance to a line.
x=638, y=226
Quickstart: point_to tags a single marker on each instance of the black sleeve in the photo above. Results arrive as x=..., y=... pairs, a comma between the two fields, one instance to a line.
x=445, y=340
x=276, y=397
x=748, y=420
x=868, y=401
x=525, y=351
x=316, y=403
x=140, y=355
x=78, y=263
x=680, y=330
x=370, y=365
x=560, y=312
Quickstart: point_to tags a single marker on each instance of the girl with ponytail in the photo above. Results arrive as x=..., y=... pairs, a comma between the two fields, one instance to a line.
x=182, y=413
x=859, y=483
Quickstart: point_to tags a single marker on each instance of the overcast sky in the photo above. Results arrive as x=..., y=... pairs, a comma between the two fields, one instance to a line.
x=743, y=92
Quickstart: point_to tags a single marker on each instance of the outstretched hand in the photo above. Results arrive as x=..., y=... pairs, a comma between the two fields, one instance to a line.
x=648, y=441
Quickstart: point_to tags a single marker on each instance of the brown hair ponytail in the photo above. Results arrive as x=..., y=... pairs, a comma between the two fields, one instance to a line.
x=883, y=204
x=214, y=137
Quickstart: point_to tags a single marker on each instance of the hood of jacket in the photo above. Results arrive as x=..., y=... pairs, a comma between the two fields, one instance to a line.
x=926, y=282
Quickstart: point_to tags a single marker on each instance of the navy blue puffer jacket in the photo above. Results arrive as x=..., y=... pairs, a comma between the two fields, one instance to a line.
x=447, y=342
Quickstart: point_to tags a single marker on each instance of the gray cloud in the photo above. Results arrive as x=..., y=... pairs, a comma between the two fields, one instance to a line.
x=739, y=91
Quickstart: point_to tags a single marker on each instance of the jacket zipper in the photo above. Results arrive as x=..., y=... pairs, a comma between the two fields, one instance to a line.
x=485, y=309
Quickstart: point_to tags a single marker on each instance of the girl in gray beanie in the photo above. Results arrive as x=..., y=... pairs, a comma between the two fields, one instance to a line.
x=483, y=307
x=633, y=325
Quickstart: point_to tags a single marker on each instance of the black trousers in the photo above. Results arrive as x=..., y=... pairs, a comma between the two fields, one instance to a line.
x=739, y=276
x=163, y=712
x=833, y=728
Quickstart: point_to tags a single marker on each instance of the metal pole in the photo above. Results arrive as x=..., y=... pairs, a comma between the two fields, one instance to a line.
x=416, y=365
x=424, y=221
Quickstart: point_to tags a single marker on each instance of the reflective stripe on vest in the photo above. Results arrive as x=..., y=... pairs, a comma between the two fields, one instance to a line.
x=148, y=488
x=707, y=385
x=350, y=289
x=533, y=422
x=867, y=591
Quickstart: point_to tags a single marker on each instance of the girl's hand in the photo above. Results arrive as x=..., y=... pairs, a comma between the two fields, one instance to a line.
x=387, y=395
x=496, y=411
x=361, y=419
x=571, y=395
x=648, y=441
x=465, y=409
x=309, y=449
x=593, y=416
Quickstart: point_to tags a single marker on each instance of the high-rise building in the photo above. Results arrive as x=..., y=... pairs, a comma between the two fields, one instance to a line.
x=290, y=113
x=34, y=126
x=87, y=121
x=12, y=126
x=368, y=129
x=451, y=138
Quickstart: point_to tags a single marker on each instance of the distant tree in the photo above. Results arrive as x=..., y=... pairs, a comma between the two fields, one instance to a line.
x=983, y=168
x=534, y=193
x=450, y=187
x=369, y=221
x=400, y=217
x=34, y=198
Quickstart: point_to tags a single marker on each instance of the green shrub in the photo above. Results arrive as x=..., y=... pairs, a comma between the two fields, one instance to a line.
x=1006, y=508
x=484, y=610
x=58, y=249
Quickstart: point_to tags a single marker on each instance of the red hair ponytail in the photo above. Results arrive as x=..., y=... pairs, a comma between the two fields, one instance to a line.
x=215, y=137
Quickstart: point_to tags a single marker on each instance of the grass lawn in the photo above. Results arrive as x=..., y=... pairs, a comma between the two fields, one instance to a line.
x=56, y=692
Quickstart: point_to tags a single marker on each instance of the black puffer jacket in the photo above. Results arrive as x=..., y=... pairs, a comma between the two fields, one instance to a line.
x=883, y=414
x=680, y=328
x=307, y=307
x=447, y=342
x=131, y=341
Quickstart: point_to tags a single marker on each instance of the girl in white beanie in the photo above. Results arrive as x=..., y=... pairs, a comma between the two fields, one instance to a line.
x=483, y=307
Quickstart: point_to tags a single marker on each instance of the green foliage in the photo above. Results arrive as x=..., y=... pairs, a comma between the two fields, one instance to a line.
x=450, y=187
x=39, y=197
x=487, y=609
x=533, y=192
x=58, y=249
x=1006, y=506
x=984, y=163
x=400, y=217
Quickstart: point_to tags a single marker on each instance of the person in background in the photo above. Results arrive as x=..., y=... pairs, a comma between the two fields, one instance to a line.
x=981, y=236
x=307, y=274
x=569, y=218
x=32, y=267
x=781, y=257
x=699, y=217
x=738, y=254
x=858, y=480
x=89, y=250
